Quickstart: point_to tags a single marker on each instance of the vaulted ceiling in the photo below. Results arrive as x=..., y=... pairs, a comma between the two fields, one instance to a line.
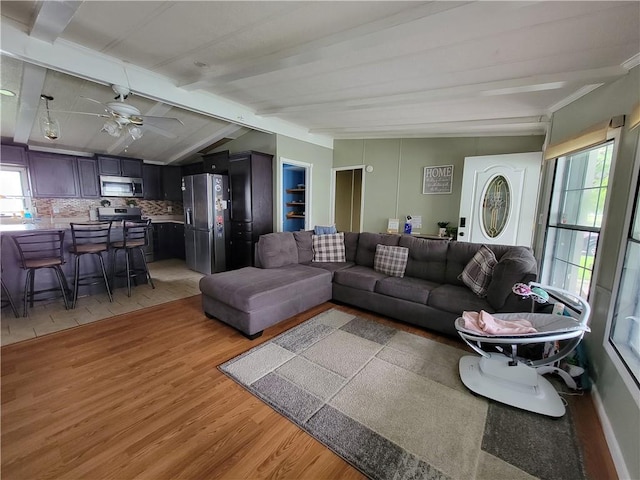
x=316, y=71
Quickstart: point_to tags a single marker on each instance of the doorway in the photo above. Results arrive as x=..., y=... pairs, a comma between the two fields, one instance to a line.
x=294, y=200
x=499, y=198
x=348, y=198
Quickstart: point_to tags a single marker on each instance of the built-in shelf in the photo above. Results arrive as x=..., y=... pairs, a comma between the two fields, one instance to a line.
x=295, y=204
x=295, y=190
x=294, y=215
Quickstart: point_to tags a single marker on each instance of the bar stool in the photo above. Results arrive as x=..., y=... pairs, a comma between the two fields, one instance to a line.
x=90, y=239
x=135, y=237
x=7, y=300
x=41, y=250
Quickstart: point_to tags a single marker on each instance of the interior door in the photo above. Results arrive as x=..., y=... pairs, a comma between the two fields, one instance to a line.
x=499, y=197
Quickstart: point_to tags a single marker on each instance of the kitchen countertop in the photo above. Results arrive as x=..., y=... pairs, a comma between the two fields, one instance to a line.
x=63, y=223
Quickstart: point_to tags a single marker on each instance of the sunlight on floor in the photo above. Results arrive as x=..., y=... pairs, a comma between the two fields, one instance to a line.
x=173, y=280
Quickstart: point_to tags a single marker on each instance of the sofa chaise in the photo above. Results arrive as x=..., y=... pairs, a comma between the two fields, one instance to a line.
x=432, y=291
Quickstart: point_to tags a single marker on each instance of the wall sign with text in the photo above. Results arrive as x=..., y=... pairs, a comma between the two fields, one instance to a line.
x=437, y=179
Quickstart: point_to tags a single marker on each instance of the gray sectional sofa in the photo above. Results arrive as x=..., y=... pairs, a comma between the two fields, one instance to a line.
x=286, y=281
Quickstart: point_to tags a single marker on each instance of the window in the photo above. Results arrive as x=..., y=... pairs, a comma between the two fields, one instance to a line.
x=14, y=191
x=624, y=335
x=575, y=218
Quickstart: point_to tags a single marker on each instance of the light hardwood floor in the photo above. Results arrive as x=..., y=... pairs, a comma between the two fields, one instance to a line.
x=139, y=396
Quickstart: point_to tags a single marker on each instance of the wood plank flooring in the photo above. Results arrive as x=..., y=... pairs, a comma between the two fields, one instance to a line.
x=139, y=396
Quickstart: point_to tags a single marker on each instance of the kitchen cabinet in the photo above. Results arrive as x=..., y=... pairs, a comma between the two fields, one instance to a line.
x=53, y=175
x=169, y=241
x=172, y=183
x=88, y=177
x=251, y=211
x=13, y=154
x=152, y=182
x=192, y=169
x=120, y=167
x=217, y=163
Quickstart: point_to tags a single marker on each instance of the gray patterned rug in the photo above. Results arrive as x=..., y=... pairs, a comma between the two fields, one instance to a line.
x=392, y=404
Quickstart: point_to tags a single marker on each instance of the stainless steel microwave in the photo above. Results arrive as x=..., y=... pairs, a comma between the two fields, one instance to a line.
x=120, y=186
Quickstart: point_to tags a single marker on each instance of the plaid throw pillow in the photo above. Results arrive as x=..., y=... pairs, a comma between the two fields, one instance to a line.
x=478, y=272
x=391, y=260
x=329, y=248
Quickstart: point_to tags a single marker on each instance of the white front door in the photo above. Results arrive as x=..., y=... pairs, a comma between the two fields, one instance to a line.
x=499, y=197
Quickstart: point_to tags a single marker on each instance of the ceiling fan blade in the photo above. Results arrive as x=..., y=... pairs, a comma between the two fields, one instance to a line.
x=158, y=130
x=162, y=122
x=94, y=101
x=103, y=115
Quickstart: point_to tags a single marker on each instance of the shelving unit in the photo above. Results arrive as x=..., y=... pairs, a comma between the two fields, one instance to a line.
x=296, y=204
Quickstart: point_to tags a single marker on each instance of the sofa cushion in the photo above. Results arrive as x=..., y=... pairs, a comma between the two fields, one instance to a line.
x=331, y=266
x=305, y=246
x=455, y=299
x=391, y=260
x=427, y=258
x=478, y=272
x=513, y=267
x=277, y=249
x=367, y=243
x=328, y=248
x=406, y=288
x=249, y=288
x=351, y=245
x=361, y=278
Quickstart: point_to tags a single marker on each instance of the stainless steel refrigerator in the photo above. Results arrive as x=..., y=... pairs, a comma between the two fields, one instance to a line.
x=206, y=221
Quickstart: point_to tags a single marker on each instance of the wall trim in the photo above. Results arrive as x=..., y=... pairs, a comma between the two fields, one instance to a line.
x=609, y=435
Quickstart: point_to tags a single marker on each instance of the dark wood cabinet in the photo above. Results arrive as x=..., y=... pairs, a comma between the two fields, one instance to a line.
x=217, y=163
x=192, y=169
x=169, y=241
x=172, y=183
x=88, y=177
x=152, y=182
x=53, y=175
x=251, y=210
x=120, y=167
x=13, y=155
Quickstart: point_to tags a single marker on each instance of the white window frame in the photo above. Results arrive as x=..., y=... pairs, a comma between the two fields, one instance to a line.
x=26, y=188
x=622, y=368
x=612, y=135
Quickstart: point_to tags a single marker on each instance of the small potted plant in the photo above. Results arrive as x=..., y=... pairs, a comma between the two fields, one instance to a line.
x=443, y=229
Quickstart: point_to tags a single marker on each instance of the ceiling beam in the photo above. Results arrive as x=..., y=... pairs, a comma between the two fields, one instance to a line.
x=501, y=87
x=30, y=90
x=213, y=138
x=73, y=59
x=377, y=32
x=52, y=18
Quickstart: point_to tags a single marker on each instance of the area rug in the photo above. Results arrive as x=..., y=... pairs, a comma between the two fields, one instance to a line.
x=392, y=404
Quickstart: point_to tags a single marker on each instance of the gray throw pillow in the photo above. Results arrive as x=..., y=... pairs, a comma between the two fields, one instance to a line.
x=277, y=250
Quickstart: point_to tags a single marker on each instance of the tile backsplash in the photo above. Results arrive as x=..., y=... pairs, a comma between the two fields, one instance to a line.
x=79, y=207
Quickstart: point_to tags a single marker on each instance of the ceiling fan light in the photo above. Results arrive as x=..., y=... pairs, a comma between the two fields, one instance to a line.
x=112, y=128
x=135, y=132
x=50, y=128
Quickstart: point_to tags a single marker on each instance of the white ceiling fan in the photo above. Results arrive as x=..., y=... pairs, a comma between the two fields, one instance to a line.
x=124, y=118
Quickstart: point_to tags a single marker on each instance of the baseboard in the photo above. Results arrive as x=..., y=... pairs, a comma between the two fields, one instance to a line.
x=612, y=442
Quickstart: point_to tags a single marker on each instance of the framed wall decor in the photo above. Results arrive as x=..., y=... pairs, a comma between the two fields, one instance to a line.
x=437, y=180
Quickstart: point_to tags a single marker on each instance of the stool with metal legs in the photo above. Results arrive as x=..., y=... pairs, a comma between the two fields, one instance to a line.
x=7, y=300
x=40, y=250
x=90, y=239
x=135, y=237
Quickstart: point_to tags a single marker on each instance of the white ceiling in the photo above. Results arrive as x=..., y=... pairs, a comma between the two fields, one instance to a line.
x=316, y=71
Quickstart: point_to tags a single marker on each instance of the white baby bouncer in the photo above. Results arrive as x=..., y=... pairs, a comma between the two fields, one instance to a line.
x=507, y=378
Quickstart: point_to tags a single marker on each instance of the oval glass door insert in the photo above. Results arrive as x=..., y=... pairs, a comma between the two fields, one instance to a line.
x=495, y=206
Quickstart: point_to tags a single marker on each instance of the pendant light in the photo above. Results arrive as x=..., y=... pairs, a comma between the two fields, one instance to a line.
x=50, y=127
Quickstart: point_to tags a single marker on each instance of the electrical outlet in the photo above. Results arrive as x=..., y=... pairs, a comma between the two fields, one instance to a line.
x=169, y=209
